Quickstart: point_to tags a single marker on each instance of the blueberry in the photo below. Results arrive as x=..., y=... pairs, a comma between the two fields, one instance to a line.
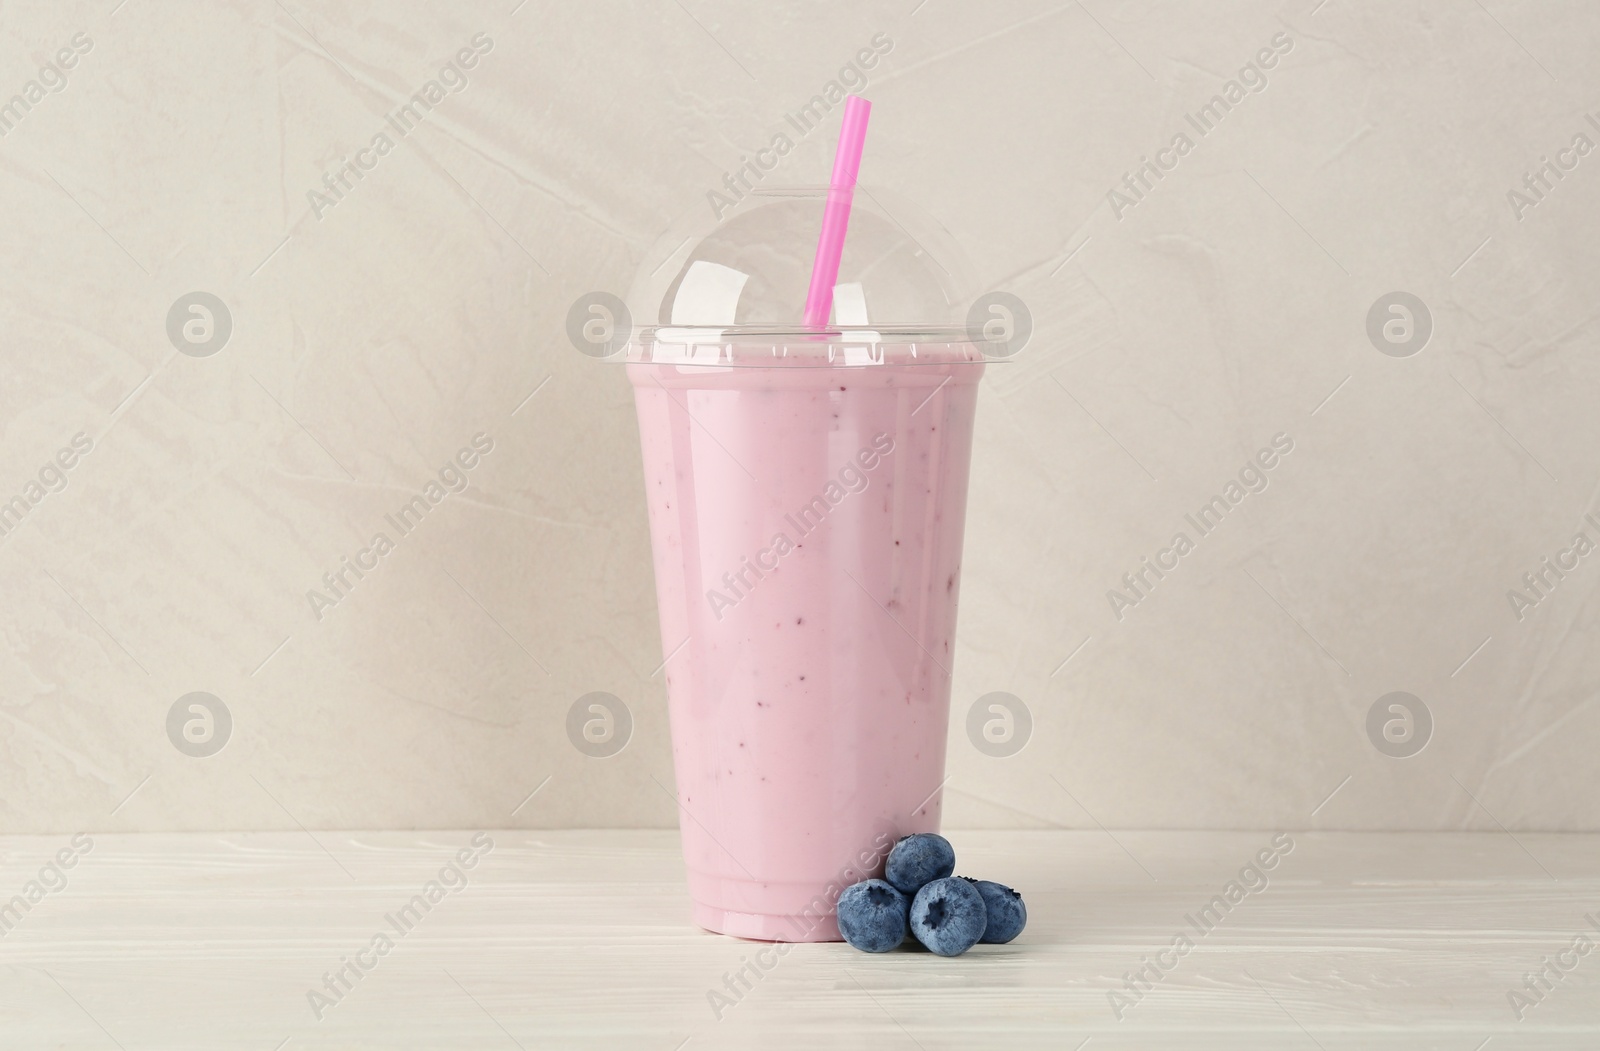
x=918, y=860
x=872, y=916
x=948, y=916
x=1007, y=914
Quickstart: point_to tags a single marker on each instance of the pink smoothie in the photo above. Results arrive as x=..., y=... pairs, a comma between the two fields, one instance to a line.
x=806, y=524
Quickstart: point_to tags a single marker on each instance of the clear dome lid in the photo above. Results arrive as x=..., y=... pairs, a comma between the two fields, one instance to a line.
x=743, y=278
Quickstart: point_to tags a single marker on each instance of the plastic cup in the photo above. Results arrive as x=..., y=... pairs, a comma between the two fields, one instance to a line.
x=807, y=498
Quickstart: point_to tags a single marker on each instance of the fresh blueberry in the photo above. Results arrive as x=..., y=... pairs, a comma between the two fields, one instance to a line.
x=918, y=860
x=872, y=916
x=948, y=916
x=1007, y=914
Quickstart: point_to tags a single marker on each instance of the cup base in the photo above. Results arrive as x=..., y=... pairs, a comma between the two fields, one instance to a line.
x=766, y=927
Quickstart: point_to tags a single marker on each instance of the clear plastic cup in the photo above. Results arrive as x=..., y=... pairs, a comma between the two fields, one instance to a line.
x=807, y=496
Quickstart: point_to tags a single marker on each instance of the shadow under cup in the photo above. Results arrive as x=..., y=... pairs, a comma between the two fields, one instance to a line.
x=806, y=507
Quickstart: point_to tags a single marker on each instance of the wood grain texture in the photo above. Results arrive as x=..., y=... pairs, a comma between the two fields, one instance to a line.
x=580, y=939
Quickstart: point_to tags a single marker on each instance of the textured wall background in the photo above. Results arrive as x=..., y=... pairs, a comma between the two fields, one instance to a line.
x=372, y=338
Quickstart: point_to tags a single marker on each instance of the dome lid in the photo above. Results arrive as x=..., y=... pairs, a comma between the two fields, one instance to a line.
x=743, y=278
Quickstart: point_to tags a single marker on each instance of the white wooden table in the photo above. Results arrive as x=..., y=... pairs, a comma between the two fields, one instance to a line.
x=579, y=939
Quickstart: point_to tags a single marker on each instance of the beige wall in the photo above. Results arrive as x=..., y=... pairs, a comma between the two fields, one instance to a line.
x=371, y=343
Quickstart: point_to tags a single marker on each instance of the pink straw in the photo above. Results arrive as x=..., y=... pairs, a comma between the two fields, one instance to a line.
x=836, y=216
